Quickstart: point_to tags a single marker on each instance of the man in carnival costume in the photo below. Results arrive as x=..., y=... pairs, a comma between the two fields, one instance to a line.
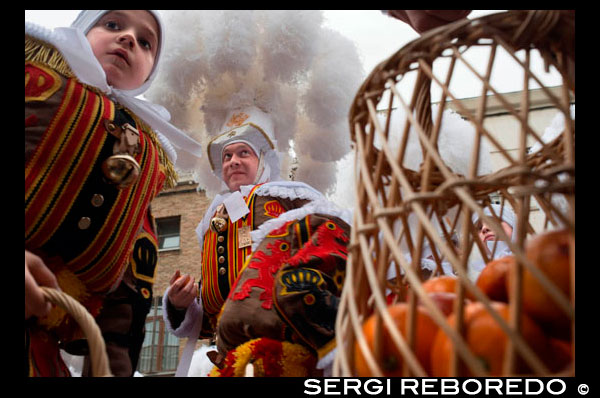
x=273, y=251
x=273, y=261
x=95, y=156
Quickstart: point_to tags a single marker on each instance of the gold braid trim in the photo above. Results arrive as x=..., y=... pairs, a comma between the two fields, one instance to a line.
x=39, y=51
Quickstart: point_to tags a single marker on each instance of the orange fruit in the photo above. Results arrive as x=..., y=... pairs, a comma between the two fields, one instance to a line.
x=485, y=339
x=444, y=283
x=493, y=278
x=550, y=253
x=392, y=361
x=444, y=301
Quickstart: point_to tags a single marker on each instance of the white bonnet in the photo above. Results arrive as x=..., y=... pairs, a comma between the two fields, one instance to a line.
x=253, y=127
x=506, y=213
x=88, y=18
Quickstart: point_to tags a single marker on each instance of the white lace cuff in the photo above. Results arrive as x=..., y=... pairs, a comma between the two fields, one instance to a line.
x=193, y=314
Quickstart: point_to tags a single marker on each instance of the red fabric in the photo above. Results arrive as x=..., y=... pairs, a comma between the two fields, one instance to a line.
x=39, y=81
x=44, y=356
x=267, y=265
x=329, y=242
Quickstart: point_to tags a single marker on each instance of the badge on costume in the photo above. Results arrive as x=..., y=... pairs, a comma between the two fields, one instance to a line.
x=244, y=238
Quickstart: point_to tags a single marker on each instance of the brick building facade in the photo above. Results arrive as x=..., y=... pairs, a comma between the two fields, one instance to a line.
x=187, y=204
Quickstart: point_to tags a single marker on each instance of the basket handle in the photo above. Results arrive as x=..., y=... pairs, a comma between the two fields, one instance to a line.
x=89, y=326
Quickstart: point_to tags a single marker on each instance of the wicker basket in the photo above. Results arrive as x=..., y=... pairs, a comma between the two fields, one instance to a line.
x=399, y=210
x=91, y=331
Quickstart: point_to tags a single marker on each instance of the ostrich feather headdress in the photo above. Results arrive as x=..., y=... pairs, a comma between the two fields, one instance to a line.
x=285, y=63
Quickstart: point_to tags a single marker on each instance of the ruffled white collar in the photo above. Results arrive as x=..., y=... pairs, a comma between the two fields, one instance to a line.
x=278, y=189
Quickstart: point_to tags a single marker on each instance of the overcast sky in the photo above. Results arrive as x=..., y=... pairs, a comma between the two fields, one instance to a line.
x=376, y=35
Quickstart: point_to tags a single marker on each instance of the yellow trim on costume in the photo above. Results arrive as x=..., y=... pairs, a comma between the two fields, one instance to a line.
x=241, y=270
x=55, y=149
x=338, y=278
x=134, y=264
x=123, y=247
x=327, y=348
x=284, y=246
x=300, y=275
x=246, y=263
x=285, y=233
x=237, y=259
x=288, y=322
x=292, y=360
x=251, y=194
x=298, y=234
x=273, y=208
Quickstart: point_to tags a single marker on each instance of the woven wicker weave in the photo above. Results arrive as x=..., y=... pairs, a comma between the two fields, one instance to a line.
x=390, y=195
x=91, y=331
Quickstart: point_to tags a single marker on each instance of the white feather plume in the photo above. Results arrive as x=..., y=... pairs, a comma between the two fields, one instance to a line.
x=285, y=62
x=455, y=142
x=554, y=129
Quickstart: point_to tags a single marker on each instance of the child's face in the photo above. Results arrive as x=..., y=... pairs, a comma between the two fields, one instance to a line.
x=487, y=234
x=125, y=43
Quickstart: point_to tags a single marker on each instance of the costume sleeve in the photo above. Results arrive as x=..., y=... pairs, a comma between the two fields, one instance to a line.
x=291, y=287
x=181, y=323
x=309, y=284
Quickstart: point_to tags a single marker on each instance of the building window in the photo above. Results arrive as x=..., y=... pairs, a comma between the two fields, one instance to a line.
x=160, y=350
x=168, y=233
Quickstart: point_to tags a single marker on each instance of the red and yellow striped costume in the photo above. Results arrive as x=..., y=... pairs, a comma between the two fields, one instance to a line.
x=83, y=227
x=214, y=295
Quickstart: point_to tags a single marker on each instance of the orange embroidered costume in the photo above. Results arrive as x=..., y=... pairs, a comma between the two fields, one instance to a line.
x=92, y=166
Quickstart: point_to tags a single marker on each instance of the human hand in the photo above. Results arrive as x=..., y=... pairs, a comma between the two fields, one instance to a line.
x=37, y=274
x=424, y=20
x=182, y=290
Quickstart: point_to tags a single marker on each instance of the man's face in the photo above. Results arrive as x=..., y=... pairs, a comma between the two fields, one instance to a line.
x=125, y=42
x=240, y=165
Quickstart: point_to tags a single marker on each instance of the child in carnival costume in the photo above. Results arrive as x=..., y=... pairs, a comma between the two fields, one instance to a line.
x=95, y=156
x=273, y=250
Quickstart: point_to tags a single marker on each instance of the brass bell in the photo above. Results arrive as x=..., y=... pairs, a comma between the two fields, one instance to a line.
x=218, y=224
x=121, y=170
